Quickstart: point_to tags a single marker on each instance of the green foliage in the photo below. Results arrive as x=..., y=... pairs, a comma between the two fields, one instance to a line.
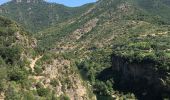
x=17, y=74
x=90, y=69
x=13, y=74
x=101, y=88
x=29, y=96
x=11, y=55
x=54, y=82
x=132, y=29
x=12, y=94
x=40, y=15
x=43, y=92
x=3, y=77
x=38, y=70
x=39, y=85
x=64, y=97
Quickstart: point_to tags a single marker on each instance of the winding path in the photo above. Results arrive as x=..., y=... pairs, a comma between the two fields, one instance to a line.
x=33, y=62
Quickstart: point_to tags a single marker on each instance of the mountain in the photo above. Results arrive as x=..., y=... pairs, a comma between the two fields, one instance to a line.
x=113, y=49
x=35, y=15
x=106, y=17
x=138, y=34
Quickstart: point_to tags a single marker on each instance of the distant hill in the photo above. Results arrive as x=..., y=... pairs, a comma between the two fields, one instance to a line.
x=36, y=15
x=111, y=14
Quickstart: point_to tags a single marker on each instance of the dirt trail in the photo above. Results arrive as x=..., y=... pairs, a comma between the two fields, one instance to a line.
x=33, y=62
x=2, y=96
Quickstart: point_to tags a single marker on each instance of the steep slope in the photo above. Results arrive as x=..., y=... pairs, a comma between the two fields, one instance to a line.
x=14, y=41
x=25, y=74
x=114, y=46
x=37, y=15
x=15, y=47
x=104, y=20
x=131, y=28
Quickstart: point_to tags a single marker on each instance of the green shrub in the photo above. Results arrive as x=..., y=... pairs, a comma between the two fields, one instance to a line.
x=43, y=92
x=17, y=74
x=54, y=82
x=12, y=94
x=39, y=85
x=1, y=86
x=64, y=97
x=29, y=96
x=38, y=70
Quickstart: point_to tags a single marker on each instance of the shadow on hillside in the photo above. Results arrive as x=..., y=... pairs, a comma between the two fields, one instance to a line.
x=141, y=91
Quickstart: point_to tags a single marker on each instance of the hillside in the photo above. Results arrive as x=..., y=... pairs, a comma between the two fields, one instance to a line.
x=27, y=74
x=37, y=15
x=111, y=12
x=131, y=29
x=16, y=46
x=115, y=49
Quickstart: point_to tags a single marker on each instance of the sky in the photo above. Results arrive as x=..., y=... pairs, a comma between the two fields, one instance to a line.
x=71, y=3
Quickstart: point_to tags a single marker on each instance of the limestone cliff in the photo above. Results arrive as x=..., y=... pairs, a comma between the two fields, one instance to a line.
x=142, y=77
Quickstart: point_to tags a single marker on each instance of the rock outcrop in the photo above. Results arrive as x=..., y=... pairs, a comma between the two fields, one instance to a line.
x=141, y=77
x=28, y=1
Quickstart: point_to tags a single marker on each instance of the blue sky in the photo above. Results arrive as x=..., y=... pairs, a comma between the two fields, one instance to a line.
x=72, y=3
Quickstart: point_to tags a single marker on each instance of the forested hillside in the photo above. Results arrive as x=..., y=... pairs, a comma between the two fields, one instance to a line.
x=112, y=49
x=37, y=15
x=28, y=74
x=15, y=48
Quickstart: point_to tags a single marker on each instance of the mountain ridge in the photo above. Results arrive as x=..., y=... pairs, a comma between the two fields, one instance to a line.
x=28, y=1
x=110, y=49
x=36, y=16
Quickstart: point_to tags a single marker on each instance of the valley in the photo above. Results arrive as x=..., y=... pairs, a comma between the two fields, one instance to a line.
x=108, y=50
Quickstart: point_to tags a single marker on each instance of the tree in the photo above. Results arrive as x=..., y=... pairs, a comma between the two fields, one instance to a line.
x=16, y=74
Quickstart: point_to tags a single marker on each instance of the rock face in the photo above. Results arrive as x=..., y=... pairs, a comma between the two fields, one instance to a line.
x=28, y=1
x=68, y=81
x=141, y=77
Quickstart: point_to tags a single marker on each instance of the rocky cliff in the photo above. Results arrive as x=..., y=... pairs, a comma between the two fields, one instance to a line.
x=142, y=77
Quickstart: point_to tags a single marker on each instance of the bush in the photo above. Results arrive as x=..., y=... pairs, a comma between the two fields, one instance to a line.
x=54, y=82
x=17, y=75
x=12, y=94
x=64, y=97
x=11, y=55
x=29, y=96
x=43, y=92
x=1, y=86
x=38, y=70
